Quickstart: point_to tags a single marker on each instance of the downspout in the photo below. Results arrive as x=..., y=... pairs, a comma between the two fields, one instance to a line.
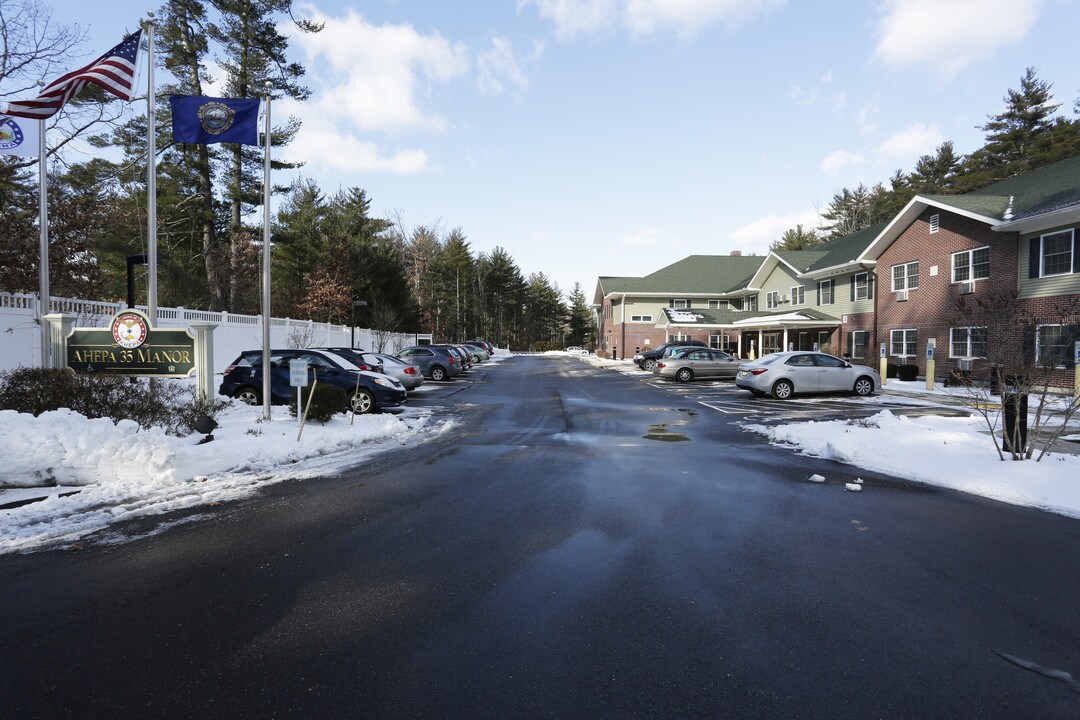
x=622, y=325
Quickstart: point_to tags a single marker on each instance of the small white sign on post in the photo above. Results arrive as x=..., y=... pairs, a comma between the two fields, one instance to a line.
x=298, y=372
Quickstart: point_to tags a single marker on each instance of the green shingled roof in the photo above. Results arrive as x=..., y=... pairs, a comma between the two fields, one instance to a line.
x=700, y=274
x=611, y=283
x=843, y=250
x=1040, y=191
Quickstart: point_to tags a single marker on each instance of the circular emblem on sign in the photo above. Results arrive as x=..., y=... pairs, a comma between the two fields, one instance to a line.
x=216, y=117
x=129, y=330
x=11, y=135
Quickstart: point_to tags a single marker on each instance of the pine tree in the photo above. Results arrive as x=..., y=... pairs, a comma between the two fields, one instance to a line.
x=582, y=322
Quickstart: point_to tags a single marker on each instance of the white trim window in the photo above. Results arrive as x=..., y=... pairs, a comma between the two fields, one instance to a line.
x=718, y=304
x=641, y=318
x=905, y=276
x=1054, y=345
x=680, y=337
x=971, y=265
x=862, y=286
x=905, y=343
x=1056, y=253
x=858, y=342
x=680, y=304
x=719, y=342
x=967, y=342
x=772, y=300
x=825, y=292
x=798, y=295
x=751, y=304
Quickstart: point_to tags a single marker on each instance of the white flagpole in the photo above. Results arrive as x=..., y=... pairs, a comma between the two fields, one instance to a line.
x=266, y=263
x=44, y=296
x=151, y=178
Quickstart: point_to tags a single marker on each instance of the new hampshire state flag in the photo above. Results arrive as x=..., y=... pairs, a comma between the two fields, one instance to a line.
x=205, y=120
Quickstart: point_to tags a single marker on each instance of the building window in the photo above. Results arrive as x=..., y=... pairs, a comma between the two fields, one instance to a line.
x=905, y=343
x=825, y=292
x=772, y=300
x=719, y=342
x=862, y=286
x=680, y=337
x=971, y=265
x=751, y=303
x=641, y=318
x=1056, y=253
x=858, y=341
x=967, y=342
x=680, y=304
x=905, y=277
x=718, y=304
x=1054, y=345
x=935, y=223
x=798, y=295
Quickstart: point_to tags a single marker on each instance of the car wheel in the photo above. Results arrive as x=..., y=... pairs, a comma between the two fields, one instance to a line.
x=864, y=386
x=649, y=365
x=362, y=402
x=438, y=373
x=783, y=389
x=684, y=375
x=249, y=396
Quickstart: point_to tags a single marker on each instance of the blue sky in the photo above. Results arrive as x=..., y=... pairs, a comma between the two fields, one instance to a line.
x=614, y=137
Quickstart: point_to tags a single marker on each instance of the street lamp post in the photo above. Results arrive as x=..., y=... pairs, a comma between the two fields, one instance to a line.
x=352, y=322
x=132, y=261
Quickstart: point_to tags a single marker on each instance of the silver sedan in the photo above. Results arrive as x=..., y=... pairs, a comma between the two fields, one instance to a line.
x=692, y=363
x=786, y=373
x=406, y=373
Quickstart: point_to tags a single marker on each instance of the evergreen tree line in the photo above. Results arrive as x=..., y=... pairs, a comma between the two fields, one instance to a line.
x=1026, y=135
x=328, y=251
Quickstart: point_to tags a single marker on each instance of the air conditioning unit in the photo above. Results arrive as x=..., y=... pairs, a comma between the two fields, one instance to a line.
x=966, y=288
x=783, y=298
x=901, y=295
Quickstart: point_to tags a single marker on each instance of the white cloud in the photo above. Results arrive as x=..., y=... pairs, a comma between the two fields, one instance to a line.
x=757, y=236
x=375, y=78
x=836, y=161
x=946, y=37
x=646, y=17
x=911, y=143
x=865, y=119
x=498, y=66
x=328, y=147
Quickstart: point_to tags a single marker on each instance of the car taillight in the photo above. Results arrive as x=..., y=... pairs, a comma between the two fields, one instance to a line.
x=230, y=369
x=759, y=372
x=410, y=370
x=660, y=365
x=451, y=360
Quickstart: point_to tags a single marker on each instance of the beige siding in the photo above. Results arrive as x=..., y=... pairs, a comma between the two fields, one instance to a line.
x=842, y=302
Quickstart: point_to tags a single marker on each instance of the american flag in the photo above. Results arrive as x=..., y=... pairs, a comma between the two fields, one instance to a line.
x=114, y=71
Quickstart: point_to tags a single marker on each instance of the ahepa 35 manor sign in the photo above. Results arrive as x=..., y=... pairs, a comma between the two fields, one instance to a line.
x=130, y=346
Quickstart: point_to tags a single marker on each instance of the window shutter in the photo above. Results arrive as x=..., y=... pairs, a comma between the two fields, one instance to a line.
x=1028, y=344
x=852, y=287
x=819, y=293
x=869, y=286
x=1072, y=335
x=1076, y=254
x=1033, y=258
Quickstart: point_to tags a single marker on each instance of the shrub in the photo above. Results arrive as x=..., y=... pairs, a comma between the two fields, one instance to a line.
x=892, y=370
x=908, y=372
x=327, y=402
x=162, y=403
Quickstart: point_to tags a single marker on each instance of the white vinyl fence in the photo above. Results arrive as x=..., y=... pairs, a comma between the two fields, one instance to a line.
x=20, y=334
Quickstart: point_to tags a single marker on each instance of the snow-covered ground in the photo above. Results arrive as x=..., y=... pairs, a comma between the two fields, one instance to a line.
x=952, y=452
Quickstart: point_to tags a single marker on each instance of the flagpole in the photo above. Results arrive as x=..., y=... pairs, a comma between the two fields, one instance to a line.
x=151, y=178
x=44, y=296
x=266, y=263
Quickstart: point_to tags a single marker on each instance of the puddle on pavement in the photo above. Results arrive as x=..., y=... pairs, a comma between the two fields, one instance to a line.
x=662, y=434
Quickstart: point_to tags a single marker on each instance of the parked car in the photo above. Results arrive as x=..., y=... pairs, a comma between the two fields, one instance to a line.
x=693, y=363
x=575, y=350
x=406, y=373
x=366, y=391
x=484, y=344
x=646, y=360
x=786, y=373
x=479, y=354
x=464, y=359
x=359, y=358
x=434, y=361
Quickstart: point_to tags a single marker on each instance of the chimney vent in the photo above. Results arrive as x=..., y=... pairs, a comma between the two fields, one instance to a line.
x=736, y=253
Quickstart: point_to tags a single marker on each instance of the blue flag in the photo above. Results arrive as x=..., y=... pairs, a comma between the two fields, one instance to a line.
x=206, y=120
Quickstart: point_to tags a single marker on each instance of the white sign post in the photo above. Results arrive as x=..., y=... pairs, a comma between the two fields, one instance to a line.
x=298, y=372
x=930, y=343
